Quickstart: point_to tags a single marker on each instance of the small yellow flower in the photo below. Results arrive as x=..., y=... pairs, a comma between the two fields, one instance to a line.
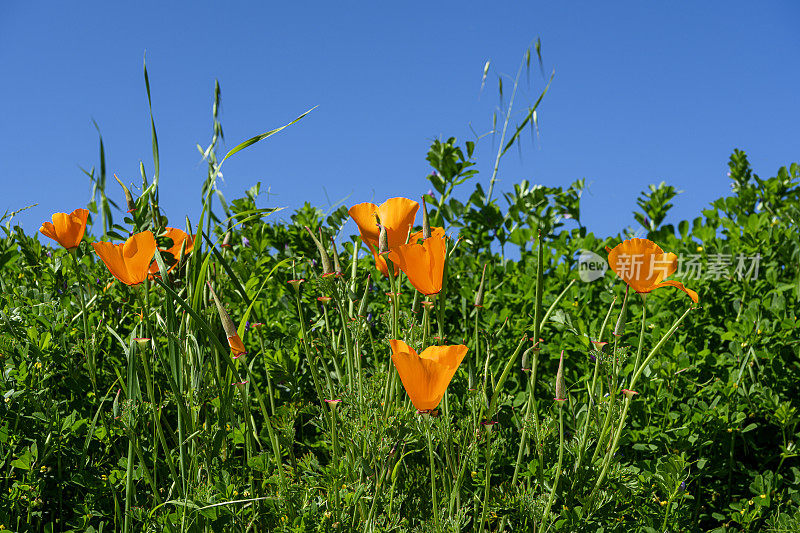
x=759, y=332
x=43, y=469
x=763, y=496
x=699, y=248
x=750, y=502
x=235, y=493
x=38, y=366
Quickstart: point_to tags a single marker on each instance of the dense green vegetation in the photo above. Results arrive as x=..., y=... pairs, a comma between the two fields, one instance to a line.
x=99, y=432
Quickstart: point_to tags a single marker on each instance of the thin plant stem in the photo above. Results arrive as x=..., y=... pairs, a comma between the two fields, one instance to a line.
x=546, y=514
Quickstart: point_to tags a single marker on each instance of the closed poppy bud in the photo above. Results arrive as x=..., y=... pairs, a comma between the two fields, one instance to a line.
x=383, y=241
x=234, y=341
x=362, y=307
x=560, y=387
x=426, y=224
x=128, y=196
x=66, y=229
x=337, y=266
x=323, y=254
x=479, y=294
x=526, y=365
x=226, y=240
x=619, y=329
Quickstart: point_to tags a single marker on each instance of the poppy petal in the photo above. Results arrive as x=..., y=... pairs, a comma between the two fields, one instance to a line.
x=677, y=284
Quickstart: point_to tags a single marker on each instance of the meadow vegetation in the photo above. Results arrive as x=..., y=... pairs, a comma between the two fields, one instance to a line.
x=256, y=373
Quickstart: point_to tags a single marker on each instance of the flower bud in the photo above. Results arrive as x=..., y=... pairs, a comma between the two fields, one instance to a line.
x=426, y=224
x=383, y=241
x=619, y=329
x=560, y=387
x=128, y=196
x=226, y=240
x=479, y=294
x=526, y=365
x=326, y=262
x=337, y=266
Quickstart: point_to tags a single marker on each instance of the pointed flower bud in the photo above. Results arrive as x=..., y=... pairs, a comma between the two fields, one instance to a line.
x=323, y=255
x=337, y=266
x=526, y=355
x=383, y=241
x=619, y=329
x=479, y=294
x=226, y=240
x=234, y=341
x=128, y=196
x=560, y=387
x=426, y=224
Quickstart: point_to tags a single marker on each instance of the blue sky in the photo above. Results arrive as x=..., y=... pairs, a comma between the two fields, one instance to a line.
x=643, y=92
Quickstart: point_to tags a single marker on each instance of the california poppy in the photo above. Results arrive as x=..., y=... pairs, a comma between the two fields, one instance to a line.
x=177, y=237
x=129, y=261
x=422, y=263
x=643, y=265
x=67, y=229
x=435, y=232
x=234, y=340
x=395, y=214
x=427, y=375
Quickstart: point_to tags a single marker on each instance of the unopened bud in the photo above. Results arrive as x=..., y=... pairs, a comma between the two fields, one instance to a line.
x=479, y=294
x=234, y=341
x=362, y=307
x=383, y=241
x=526, y=355
x=337, y=266
x=128, y=196
x=326, y=262
x=619, y=329
x=426, y=224
x=560, y=387
x=226, y=240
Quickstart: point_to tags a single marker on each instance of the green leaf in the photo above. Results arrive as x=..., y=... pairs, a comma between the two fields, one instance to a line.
x=263, y=136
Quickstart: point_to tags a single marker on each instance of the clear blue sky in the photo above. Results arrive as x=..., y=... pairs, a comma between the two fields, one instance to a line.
x=644, y=91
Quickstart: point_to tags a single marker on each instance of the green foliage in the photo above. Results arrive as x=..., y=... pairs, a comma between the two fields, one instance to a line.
x=99, y=432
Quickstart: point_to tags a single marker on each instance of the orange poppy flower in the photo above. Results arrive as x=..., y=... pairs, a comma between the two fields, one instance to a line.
x=427, y=375
x=422, y=263
x=396, y=215
x=129, y=261
x=177, y=237
x=67, y=229
x=435, y=232
x=643, y=265
x=234, y=340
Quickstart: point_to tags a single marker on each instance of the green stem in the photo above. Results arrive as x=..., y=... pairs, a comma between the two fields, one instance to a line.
x=546, y=514
x=434, y=502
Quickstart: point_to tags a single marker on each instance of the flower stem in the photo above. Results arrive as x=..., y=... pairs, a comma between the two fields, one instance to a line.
x=550, y=499
x=434, y=503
